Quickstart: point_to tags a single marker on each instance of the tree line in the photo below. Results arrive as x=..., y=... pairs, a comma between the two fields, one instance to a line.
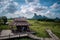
x=50, y=20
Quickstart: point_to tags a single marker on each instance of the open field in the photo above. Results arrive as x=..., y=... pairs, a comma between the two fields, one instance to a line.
x=39, y=27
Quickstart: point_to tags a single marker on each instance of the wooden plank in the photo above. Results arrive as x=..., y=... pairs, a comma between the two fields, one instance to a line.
x=23, y=35
x=28, y=34
x=34, y=37
x=48, y=39
x=38, y=38
x=12, y=36
x=52, y=35
x=6, y=34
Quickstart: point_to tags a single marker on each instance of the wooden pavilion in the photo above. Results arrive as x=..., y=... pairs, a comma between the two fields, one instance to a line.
x=21, y=24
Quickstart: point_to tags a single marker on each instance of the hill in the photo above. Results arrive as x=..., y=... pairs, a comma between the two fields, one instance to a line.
x=44, y=18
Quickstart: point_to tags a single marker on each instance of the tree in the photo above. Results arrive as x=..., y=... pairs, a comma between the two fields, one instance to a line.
x=1, y=21
x=4, y=18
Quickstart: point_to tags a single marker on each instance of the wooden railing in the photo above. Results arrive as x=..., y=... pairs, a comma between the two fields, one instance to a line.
x=53, y=36
x=30, y=35
x=12, y=36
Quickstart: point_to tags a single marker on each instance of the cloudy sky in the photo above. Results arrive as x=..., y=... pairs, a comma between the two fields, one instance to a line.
x=27, y=8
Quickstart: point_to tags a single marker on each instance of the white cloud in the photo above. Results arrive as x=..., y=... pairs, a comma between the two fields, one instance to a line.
x=28, y=9
x=8, y=6
x=9, y=15
x=55, y=6
x=4, y=5
x=50, y=14
x=30, y=1
x=31, y=8
x=53, y=11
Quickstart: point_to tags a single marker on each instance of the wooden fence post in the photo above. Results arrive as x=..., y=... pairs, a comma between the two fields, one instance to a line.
x=9, y=36
x=19, y=34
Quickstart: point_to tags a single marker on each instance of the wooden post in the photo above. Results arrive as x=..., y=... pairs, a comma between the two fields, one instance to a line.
x=0, y=31
x=9, y=36
x=19, y=34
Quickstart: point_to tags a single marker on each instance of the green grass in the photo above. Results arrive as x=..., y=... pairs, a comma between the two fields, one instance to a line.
x=25, y=38
x=40, y=26
x=4, y=27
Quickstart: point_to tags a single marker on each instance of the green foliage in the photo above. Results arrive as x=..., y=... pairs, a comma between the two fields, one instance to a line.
x=40, y=26
x=4, y=27
x=26, y=39
x=48, y=20
x=1, y=21
x=4, y=18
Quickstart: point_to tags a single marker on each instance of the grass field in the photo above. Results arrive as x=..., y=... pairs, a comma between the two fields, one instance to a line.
x=40, y=26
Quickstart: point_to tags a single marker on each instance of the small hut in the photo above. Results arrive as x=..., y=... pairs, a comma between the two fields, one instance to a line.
x=21, y=24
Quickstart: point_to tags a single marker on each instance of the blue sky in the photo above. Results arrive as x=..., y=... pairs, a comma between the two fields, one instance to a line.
x=42, y=2
x=27, y=8
x=48, y=2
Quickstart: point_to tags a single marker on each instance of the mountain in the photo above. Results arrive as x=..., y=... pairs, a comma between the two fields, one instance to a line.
x=57, y=19
x=39, y=16
x=44, y=18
